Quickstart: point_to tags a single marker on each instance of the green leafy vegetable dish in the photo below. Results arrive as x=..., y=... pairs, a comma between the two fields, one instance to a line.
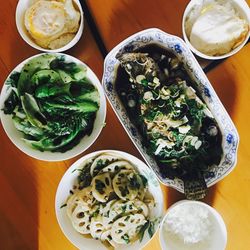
x=111, y=201
x=52, y=102
x=176, y=126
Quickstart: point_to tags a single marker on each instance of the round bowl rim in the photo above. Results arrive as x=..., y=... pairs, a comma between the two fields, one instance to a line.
x=127, y=156
x=59, y=156
x=213, y=211
x=240, y=4
x=23, y=33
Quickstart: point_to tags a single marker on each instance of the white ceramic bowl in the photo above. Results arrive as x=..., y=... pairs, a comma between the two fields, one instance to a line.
x=22, y=6
x=217, y=239
x=244, y=12
x=70, y=179
x=16, y=137
x=230, y=138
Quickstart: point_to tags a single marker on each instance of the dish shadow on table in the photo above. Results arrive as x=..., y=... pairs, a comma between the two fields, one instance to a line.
x=18, y=203
x=79, y=50
x=224, y=83
x=172, y=196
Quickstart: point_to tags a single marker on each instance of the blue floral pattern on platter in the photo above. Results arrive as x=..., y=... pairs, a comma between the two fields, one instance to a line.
x=179, y=48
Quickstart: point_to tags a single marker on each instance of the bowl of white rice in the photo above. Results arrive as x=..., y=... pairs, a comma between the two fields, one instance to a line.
x=192, y=225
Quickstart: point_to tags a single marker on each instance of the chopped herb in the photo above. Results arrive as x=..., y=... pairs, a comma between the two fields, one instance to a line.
x=124, y=208
x=124, y=190
x=64, y=205
x=140, y=210
x=142, y=230
x=99, y=186
x=144, y=82
x=84, y=178
x=133, y=182
x=149, y=225
x=125, y=237
x=144, y=180
x=151, y=229
x=95, y=214
x=99, y=166
x=127, y=218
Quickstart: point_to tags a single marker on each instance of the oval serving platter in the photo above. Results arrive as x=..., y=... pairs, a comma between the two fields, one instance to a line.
x=230, y=138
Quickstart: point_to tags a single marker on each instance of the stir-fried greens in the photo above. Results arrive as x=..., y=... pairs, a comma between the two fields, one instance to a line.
x=52, y=103
x=176, y=125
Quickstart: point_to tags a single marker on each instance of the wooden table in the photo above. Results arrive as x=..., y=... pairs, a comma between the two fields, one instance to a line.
x=28, y=186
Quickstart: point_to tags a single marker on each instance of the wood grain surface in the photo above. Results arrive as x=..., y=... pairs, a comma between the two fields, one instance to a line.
x=28, y=186
x=116, y=20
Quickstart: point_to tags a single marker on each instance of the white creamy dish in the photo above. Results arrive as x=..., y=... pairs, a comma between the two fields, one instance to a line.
x=52, y=24
x=215, y=27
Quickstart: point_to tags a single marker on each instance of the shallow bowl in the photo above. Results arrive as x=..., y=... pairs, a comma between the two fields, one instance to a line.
x=217, y=238
x=17, y=137
x=244, y=12
x=22, y=6
x=70, y=179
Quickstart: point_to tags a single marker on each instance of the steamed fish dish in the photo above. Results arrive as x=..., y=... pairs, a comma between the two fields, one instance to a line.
x=111, y=201
x=177, y=128
x=52, y=24
x=52, y=103
x=214, y=27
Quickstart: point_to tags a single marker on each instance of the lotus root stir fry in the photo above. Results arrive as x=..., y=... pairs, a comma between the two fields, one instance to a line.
x=111, y=201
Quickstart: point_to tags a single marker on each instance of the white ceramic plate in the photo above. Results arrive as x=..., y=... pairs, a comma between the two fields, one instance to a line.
x=70, y=179
x=16, y=136
x=179, y=48
x=22, y=6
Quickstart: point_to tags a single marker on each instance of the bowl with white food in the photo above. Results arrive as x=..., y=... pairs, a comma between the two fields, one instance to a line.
x=109, y=199
x=52, y=106
x=50, y=26
x=192, y=225
x=216, y=29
